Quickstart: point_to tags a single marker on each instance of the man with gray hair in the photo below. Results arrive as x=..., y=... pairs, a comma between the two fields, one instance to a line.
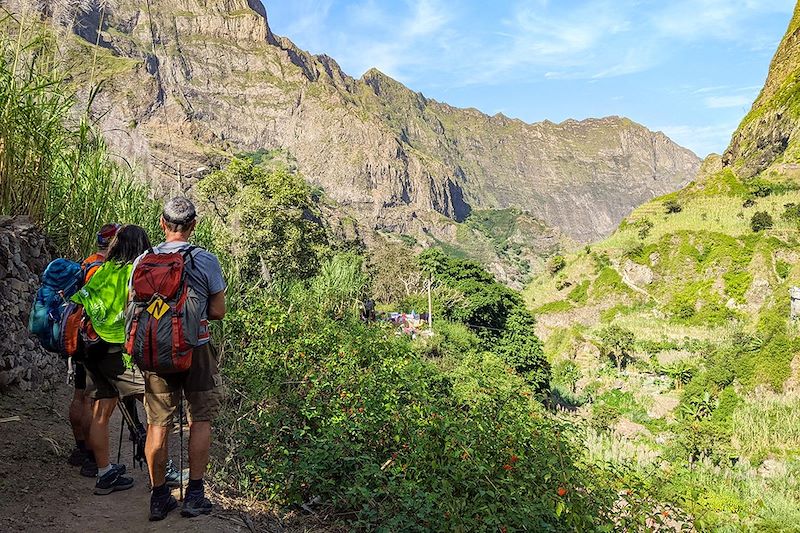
x=200, y=385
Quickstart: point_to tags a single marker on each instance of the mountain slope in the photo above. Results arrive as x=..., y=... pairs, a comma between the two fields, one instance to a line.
x=186, y=81
x=723, y=250
x=768, y=135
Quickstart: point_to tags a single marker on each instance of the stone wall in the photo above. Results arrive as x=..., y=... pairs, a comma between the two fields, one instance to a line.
x=24, y=254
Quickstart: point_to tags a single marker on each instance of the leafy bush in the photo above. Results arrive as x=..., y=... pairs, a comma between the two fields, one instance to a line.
x=617, y=344
x=580, y=293
x=519, y=347
x=452, y=342
x=761, y=221
x=486, y=304
x=644, y=226
x=782, y=268
x=601, y=261
x=791, y=213
x=566, y=373
x=672, y=206
x=339, y=411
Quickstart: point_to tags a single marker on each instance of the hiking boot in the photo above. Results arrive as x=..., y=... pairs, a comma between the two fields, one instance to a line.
x=89, y=468
x=77, y=457
x=160, y=506
x=112, y=481
x=195, y=503
x=173, y=477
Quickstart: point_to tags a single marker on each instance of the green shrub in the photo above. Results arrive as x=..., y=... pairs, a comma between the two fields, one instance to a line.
x=601, y=261
x=761, y=221
x=737, y=283
x=782, y=268
x=559, y=306
x=644, y=226
x=274, y=225
x=580, y=293
x=672, y=206
x=566, y=373
x=617, y=344
x=340, y=411
x=519, y=347
x=791, y=213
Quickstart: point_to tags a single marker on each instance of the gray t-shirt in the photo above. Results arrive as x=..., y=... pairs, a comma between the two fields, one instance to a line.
x=204, y=275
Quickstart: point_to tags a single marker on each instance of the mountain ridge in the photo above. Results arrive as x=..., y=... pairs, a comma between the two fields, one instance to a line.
x=186, y=81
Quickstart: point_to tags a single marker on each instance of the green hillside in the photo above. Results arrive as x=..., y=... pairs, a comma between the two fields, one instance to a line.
x=673, y=336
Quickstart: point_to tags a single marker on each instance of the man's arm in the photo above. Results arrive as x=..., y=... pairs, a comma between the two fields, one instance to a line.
x=216, y=306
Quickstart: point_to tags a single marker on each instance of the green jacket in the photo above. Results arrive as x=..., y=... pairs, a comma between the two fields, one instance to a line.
x=104, y=300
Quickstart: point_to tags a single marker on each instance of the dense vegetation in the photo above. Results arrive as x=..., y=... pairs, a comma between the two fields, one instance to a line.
x=675, y=334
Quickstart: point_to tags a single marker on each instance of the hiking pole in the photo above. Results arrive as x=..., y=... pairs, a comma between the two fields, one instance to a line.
x=132, y=426
x=119, y=446
x=180, y=423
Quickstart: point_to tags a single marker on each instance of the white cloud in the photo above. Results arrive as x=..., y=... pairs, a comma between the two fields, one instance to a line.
x=723, y=102
x=580, y=39
x=702, y=140
x=724, y=20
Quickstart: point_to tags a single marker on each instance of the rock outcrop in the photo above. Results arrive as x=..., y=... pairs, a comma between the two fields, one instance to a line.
x=769, y=133
x=24, y=254
x=188, y=80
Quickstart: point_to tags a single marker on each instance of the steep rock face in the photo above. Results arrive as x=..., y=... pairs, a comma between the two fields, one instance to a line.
x=769, y=133
x=186, y=80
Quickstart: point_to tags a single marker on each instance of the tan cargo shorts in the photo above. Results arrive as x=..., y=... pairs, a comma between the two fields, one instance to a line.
x=201, y=386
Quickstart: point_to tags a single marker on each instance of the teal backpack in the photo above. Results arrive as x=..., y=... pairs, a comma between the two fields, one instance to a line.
x=61, y=279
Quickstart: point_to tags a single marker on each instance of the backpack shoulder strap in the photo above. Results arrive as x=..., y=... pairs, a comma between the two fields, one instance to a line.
x=188, y=252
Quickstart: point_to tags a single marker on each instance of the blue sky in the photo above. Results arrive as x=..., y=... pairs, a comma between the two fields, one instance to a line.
x=690, y=68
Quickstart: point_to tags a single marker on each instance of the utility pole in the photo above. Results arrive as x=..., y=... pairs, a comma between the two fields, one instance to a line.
x=430, y=303
x=180, y=179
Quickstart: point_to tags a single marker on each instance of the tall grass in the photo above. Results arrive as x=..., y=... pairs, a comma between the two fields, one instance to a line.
x=767, y=425
x=54, y=165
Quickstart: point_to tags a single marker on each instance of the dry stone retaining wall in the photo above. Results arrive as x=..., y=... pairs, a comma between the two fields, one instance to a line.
x=24, y=254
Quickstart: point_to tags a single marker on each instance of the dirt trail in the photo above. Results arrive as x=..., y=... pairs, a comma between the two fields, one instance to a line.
x=39, y=491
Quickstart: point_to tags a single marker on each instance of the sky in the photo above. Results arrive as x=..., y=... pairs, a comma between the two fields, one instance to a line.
x=689, y=68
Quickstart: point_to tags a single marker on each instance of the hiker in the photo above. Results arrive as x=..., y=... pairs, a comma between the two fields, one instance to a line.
x=368, y=310
x=80, y=409
x=203, y=288
x=104, y=299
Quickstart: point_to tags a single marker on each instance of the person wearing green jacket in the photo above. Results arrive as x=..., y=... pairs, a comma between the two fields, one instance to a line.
x=104, y=299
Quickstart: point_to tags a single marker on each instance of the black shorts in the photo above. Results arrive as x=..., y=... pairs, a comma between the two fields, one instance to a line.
x=80, y=376
x=111, y=378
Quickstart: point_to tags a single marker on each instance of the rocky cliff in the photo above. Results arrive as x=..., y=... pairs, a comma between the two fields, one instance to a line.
x=186, y=81
x=769, y=133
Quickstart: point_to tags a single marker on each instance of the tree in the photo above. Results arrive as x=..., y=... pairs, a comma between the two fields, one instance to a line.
x=396, y=274
x=617, y=344
x=761, y=221
x=486, y=304
x=274, y=225
x=522, y=350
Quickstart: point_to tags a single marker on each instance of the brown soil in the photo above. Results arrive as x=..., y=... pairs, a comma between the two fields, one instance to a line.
x=39, y=491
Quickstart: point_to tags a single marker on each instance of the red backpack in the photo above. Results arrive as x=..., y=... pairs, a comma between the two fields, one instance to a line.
x=162, y=321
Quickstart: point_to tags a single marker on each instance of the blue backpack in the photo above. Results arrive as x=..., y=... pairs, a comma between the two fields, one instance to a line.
x=61, y=279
